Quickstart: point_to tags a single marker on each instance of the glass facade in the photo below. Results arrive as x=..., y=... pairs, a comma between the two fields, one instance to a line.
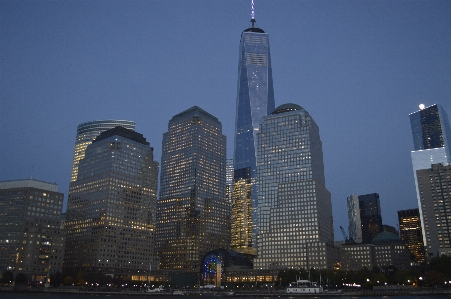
x=430, y=129
x=364, y=215
x=431, y=134
x=87, y=132
x=193, y=211
x=295, y=209
x=110, y=215
x=255, y=99
x=411, y=233
x=32, y=236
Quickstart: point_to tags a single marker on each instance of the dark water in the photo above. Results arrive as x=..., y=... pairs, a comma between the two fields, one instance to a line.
x=11, y=295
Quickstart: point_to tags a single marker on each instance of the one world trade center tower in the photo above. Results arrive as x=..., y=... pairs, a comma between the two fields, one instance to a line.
x=255, y=99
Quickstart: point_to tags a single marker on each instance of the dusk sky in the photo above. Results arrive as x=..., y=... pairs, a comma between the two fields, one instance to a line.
x=358, y=67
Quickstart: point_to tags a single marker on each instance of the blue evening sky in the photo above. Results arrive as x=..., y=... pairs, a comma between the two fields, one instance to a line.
x=358, y=67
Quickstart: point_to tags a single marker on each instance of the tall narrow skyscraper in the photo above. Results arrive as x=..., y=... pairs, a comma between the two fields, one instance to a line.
x=295, y=209
x=193, y=212
x=255, y=99
x=87, y=132
x=110, y=217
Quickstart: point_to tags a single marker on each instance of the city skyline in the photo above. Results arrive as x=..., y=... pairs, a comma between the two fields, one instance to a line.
x=360, y=68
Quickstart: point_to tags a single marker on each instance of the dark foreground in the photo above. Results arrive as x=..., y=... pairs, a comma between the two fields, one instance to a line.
x=64, y=293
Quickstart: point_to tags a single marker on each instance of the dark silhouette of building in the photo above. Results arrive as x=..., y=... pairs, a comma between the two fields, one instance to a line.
x=411, y=233
x=365, y=220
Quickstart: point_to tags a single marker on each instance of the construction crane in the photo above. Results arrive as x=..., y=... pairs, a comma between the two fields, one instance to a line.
x=344, y=234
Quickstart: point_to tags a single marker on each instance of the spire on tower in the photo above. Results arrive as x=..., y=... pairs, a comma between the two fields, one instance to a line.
x=252, y=13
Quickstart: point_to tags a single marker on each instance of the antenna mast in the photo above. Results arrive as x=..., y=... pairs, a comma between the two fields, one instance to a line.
x=252, y=13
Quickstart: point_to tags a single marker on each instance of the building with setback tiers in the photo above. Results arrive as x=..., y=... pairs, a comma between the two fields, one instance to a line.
x=295, y=209
x=193, y=213
x=255, y=99
x=110, y=215
x=32, y=236
x=87, y=132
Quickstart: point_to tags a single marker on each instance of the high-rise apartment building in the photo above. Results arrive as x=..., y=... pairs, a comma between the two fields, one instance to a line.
x=434, y=187
x=432, y=142
x=255, y=99
x=411, y=233
x=87, y=132
x=193, y=212
x=32, y=237
x=295, y=209
x=364, y=215
x=110, y=216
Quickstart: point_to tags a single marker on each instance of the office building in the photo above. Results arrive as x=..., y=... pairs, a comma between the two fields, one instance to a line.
x=434, y=187
x=255, y=99
x=193, y=212
x=110, y=216
x=364, y=215
x=87, y=132
x=32, y=236
x=390, y=250
x=229, y=179
x=355, y=257
x=411, y=233
x=386, y=250
x=295, y=209
x=431, y=135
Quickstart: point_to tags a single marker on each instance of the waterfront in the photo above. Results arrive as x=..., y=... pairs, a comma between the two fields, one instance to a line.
x=435, y=294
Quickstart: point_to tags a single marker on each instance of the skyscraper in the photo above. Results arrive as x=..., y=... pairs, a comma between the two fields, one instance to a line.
x=432, y=141
x=434, y=188
x=364, y=215
x=110, y=216
x=229, y=178
x=192, y=211
x=411, y=233
x=255, y=99
x=295, y=209
x=32, y=236
x=87, y=132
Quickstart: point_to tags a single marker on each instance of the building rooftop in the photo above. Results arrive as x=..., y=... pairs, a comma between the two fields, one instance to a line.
x=257, y=30
x=287, y=108
x=194, y=109
x=123, y=132
x=386, y=238
x=29, y=183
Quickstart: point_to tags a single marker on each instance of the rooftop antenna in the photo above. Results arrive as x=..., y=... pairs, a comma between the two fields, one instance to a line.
x=252, y=13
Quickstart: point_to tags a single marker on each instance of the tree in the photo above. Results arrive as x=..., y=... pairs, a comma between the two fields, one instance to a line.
x=21, y=279
x=56, y=279
x=7, y=277
x=68, y=280
x=442, y=265
x=434, y=278
x=286, y=276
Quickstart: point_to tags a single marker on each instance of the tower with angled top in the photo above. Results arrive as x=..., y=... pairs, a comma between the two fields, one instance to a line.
x=255, y=100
